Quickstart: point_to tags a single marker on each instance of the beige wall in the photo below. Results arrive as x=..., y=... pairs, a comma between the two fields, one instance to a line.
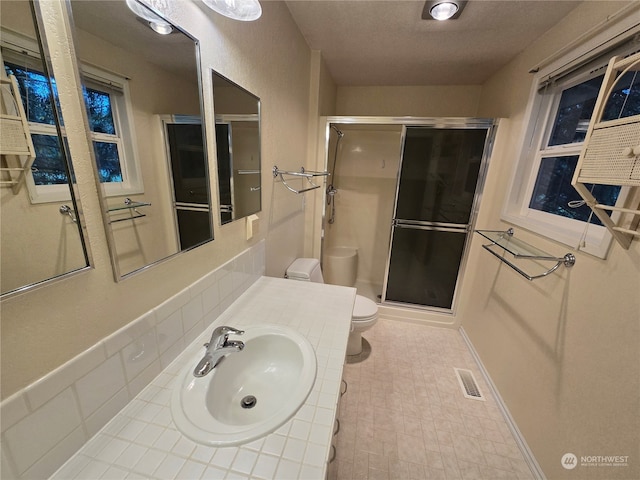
x=424, y=101
x=562, y=350
x=46, y=327
x=37, y=232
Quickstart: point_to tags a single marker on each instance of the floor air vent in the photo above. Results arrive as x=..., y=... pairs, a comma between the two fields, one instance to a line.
x=468, y=384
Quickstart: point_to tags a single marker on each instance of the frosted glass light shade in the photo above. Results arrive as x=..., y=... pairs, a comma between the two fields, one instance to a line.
x=244, y=10
x=444, y=10
x=157, y=23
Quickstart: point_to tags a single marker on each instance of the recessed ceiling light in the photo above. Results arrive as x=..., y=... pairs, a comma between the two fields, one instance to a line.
x=442, y=9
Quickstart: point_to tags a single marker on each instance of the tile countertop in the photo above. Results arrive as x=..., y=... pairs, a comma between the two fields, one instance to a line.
x=143, y=442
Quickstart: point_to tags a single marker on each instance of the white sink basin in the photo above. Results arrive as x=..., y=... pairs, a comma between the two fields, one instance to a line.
x=249, y=393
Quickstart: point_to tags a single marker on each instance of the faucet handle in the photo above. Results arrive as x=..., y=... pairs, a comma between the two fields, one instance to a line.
x=220, y=335
x=228, y=330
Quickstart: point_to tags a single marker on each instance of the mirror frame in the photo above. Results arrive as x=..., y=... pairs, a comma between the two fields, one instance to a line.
x=76, y=211
x=103, y=199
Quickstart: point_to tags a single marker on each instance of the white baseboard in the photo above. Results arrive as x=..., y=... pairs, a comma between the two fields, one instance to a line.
x=536, y=471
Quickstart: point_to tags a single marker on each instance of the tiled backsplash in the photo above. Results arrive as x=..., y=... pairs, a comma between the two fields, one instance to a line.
x=47, y=422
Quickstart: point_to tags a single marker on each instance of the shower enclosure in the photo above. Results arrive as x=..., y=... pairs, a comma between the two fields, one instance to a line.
x=424, y=225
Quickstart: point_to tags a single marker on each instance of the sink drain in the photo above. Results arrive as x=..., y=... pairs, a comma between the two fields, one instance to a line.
x=248, y=402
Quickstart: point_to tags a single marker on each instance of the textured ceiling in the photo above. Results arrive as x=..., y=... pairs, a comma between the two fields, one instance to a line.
x=385, y=42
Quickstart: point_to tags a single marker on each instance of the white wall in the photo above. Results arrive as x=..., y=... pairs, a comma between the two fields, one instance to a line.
x=44, y=328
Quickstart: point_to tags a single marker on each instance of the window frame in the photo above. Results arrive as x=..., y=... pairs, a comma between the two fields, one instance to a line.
x=121, y=107
x=95, y=78
x=540, y=116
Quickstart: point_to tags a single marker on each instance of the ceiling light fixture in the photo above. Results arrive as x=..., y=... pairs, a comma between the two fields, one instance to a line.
x=243, y=10
x=442, y=10
x=156, y=22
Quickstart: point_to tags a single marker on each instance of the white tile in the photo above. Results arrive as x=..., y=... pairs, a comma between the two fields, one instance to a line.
x=167, y=439
x=320, y=434
x=106, y=412
x=294, y=449
x=144, y=378
x=149, y=462
x=287, y=470
x=210, y=298
x=172, y=304
x=265, y=466
x=47, y=387
x=223, y=457
x=191, y=470
x=214, y=473
x=169, y=331
x=203, y=453
x=12, y=410
x=274, y=444
x=192, y=313
x=72, y=468
x=149, y=435
x=94, y=469
x=244, y=461
x=124, y=336
x=309, y=471
x=131, y=430
x=324, y=416
x=315, y=455
x=33, y=436
x=115, y=473
x=170, y=466
x=139, y=354
x=99, y=385
x=112, y=450
x=6, y=468
x=183, y=447
x=130, y=456
x=299, y=429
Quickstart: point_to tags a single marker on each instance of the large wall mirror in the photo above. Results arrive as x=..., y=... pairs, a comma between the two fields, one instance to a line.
x=142, y=91
x=238, y=148
x=41, y=234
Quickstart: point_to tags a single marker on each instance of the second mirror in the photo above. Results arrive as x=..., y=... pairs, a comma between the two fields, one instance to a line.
x=238, y=149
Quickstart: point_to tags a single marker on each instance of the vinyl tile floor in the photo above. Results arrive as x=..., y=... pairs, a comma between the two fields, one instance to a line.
x=404, y=415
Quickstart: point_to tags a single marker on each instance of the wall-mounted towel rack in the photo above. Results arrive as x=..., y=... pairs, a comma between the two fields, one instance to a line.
x=611, y=155
x=67, y=210
x=16, y=143
x=521, y=250
x=307, y=174
x=129, y=205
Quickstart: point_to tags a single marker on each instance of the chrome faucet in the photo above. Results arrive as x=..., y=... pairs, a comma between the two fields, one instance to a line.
x=218, y=347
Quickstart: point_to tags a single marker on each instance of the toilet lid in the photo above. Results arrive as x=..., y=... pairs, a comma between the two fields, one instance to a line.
x=364, y=308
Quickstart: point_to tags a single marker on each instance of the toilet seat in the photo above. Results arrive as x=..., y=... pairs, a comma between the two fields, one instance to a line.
x=364, y=311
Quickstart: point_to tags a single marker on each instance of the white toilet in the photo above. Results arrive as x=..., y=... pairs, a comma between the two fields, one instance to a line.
x=365, y=311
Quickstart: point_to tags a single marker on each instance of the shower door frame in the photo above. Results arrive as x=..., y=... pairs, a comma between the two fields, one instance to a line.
x=491, y=124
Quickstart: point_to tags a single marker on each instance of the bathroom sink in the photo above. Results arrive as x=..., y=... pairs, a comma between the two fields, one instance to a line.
x=250, y=393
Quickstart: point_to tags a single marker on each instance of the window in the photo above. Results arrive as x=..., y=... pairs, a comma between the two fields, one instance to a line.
x=106, y=98
x=541, y=197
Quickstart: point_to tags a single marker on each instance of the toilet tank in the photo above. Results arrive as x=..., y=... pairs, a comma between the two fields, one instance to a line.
x=306, y=269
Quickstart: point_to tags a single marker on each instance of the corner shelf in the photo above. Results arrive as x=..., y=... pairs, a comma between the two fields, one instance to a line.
x=521, y=250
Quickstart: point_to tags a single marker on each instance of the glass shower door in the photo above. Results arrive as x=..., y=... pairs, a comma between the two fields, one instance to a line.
x=440, y=177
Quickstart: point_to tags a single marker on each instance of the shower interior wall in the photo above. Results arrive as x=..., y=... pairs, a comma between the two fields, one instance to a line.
x=365, y=175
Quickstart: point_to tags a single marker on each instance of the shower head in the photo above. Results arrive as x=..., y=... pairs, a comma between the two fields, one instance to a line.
x=339, y=132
